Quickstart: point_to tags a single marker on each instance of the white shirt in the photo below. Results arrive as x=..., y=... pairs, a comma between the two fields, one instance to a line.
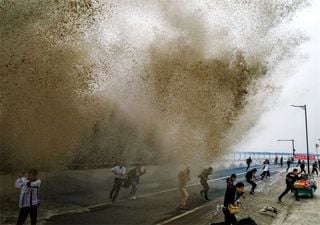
x=119, y=172
x=266, y=167
x=28, y=195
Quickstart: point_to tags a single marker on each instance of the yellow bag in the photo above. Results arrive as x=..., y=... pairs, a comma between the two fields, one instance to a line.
x=233, y=209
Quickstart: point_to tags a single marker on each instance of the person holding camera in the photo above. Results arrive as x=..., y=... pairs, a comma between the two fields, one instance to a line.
x=29, y=196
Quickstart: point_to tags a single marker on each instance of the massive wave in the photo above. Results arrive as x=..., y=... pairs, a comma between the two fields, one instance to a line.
x=87, y=81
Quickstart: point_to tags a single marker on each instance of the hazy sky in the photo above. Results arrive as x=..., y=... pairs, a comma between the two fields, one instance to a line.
x=301, y=87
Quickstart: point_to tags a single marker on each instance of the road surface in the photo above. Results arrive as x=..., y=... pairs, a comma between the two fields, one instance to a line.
x=158, y=207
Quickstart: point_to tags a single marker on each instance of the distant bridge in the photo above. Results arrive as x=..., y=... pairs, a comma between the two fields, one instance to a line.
x=231, y=157
x=235, y=156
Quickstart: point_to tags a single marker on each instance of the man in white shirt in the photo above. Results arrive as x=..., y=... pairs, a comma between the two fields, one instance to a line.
x=29, y=196
x=119, y=172
x=266, y=169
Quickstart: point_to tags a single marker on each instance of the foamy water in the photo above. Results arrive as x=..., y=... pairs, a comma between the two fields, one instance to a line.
x=100, y=81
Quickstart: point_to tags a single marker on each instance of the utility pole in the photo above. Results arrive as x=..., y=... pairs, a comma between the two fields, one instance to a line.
x=304, y=107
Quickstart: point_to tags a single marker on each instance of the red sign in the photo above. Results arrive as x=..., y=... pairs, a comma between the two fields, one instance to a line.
x=304, y=157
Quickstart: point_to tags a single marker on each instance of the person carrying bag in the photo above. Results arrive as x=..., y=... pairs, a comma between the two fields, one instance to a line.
x=232, y=203
x=233, y=209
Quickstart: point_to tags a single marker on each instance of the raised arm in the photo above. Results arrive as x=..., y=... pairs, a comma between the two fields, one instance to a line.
x=35, y=184
x=20, y=182
x=142, y=172
x=113, y=170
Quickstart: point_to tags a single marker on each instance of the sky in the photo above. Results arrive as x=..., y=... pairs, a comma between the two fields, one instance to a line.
x=301, y=86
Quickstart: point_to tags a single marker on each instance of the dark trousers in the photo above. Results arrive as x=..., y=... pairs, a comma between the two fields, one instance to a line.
x=229, y=218
x=264, y=173
x=248, y=166
x=32, y=210
x=253, y=184
x=133, y=187
x=115, y=189
x=288, y=164
x=314, y=170
x=303, y=170
x=289, y=187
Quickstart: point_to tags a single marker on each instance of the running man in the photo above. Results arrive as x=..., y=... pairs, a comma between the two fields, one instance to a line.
x=119, y=173
x=266, y=170
x=232, y=196
x=302, y=167
x=250, y=177
x=134, y=178
x=291, y=178
x=315, y=168
x=288, y=164
x=249, y=161
x=204, y=182
x=183, y=177
x=298, y=163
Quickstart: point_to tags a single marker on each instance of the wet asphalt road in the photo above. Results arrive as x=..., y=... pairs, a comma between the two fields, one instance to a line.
x=155, y=207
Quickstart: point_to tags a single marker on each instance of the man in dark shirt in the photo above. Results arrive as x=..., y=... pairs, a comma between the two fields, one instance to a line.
x=315, y=168
x=249, y=161
x=288, y=164
x=233, y=193
x=302, y=167
x=250, y=177
x=230, y=180
x=291, y=178
x=299, y=162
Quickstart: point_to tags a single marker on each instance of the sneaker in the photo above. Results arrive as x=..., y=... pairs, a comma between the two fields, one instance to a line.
x=133, y=197
x=279, y=199
x=297, y=199
x=251, y=192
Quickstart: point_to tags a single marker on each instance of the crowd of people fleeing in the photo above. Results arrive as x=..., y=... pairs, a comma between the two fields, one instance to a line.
x=29, y=186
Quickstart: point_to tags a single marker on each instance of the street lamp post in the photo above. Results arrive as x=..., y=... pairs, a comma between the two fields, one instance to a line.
x=292, y=142
x=304, y=107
